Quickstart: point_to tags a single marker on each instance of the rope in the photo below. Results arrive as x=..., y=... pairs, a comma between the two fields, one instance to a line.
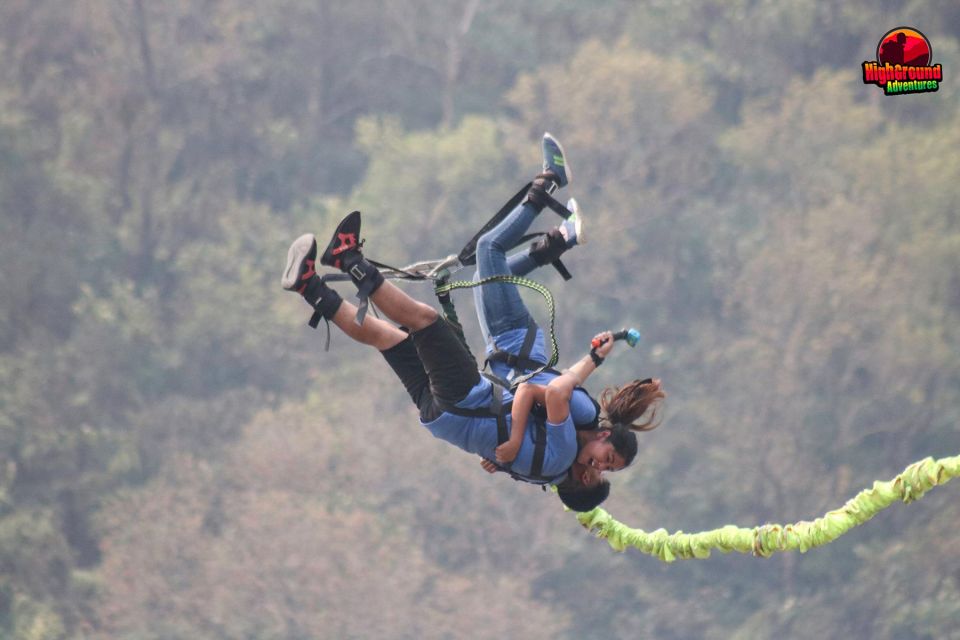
x=523, y=282
x=767, y=539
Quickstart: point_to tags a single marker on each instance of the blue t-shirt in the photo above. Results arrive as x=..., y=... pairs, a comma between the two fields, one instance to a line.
x=583, y=410
x=479, y=435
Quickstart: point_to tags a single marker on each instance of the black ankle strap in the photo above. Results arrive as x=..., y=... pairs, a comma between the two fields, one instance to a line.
x=541, y=191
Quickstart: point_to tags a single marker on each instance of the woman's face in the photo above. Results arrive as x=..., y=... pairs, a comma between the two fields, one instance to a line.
x=599, y=454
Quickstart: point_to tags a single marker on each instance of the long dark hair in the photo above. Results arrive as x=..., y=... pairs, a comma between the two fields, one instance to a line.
x=622, y=407
x=627, y=404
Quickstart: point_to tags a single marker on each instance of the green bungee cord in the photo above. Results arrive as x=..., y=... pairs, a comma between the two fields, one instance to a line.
x=765, y=540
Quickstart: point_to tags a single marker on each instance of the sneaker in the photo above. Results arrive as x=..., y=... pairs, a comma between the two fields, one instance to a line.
x=345, y=238
x=572, y=228
x=554, y=160
x=301, y=259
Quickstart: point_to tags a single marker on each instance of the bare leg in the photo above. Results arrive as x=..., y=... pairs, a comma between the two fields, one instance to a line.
x=300, y=276
x=374, y=331
x=343, y=253
x=402, y=309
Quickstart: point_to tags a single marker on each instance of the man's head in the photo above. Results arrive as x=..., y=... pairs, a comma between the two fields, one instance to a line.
x=582, y=476
x=584, y=489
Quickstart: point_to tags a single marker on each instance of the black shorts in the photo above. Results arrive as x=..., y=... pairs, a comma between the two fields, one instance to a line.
x=435, y=367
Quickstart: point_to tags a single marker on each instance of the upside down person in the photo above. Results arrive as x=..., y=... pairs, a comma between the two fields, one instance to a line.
x=515, y=345
x=441, y=376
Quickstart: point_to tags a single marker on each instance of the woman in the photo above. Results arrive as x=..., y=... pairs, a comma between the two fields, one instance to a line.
x=515, y=345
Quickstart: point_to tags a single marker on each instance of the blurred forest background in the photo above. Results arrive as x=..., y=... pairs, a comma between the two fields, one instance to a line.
x=179, y=458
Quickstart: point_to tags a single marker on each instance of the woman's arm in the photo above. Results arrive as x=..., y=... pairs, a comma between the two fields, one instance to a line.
x=585, y=366
x=560, y=389
x=527, y=394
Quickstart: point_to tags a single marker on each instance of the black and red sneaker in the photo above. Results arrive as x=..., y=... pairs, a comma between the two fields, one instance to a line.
x=301, y=260
x=344, y=243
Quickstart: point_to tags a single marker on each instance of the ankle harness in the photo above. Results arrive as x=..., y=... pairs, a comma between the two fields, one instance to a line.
x=325, y=307
x=548, y=249
x=368, y=279
x=468, y=255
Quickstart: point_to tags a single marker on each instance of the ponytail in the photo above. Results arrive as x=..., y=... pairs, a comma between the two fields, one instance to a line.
x=623, y=406
x=626, y=404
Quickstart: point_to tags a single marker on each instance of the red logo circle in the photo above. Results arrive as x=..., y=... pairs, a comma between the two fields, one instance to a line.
x=904, y=46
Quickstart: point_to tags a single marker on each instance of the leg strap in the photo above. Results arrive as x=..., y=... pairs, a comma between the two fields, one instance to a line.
x=367, y=278
x=468, y=255
x=548, y=249
x=325, y=304
x=541, y=194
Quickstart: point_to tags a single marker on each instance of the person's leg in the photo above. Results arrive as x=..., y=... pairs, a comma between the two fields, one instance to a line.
x=394, y=344
x=400, y=353
x=375, y=332
x=434, y=365
x=343, y=253
x=499, y=305
x=449, y=366
x=301, y=277
x=550, y=246
x=402, y=309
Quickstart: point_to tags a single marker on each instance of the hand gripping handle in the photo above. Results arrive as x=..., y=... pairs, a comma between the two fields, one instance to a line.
x=632, y=336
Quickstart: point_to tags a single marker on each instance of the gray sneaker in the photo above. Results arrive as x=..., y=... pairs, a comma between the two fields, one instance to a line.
x=301, y=259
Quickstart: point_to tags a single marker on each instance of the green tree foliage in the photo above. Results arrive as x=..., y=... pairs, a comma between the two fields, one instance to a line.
x=280, y=542
x=179, y=458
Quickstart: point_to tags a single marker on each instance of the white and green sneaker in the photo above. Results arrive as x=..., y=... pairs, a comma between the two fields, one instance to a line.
x=572, y=228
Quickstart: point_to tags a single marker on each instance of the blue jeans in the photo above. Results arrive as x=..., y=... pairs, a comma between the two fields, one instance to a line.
x=499, y=305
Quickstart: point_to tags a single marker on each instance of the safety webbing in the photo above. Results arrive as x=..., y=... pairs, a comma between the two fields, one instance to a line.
x=523, y=282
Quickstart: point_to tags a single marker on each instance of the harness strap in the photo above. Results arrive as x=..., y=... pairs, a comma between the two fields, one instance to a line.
x=520, y=360
x=546, y=199
x=516, y=362
x=450, y=314
x=364, y=289
x=468, y=255
x=516, y=280
x=498, y=409
x=528, y=339
x=539, y=449
x=562, y=269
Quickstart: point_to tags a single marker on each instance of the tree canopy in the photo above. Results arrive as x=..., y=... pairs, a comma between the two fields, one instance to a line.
x=179, y=458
